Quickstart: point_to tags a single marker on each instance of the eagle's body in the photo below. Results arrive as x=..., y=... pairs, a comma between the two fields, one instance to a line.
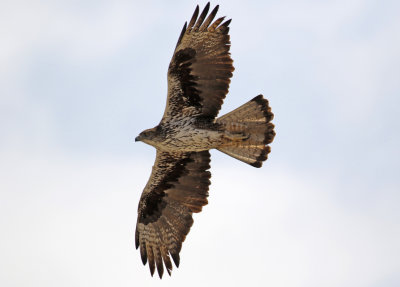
x=185, y=135
x=198, y=81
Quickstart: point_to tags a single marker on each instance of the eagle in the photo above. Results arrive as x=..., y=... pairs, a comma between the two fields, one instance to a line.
x=198, y=81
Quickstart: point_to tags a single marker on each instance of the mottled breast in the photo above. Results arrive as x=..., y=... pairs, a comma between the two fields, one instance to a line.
x=188, y=135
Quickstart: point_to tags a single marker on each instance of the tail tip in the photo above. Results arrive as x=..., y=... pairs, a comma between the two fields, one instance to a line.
x=261, y=101
x=257, y=164
x=269, y=134
x=262, y=157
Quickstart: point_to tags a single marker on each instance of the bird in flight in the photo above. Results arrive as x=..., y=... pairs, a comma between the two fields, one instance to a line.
x=198, y=81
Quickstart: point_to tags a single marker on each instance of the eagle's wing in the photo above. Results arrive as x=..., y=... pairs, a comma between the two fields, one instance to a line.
x=178, y=186
x=201, y=67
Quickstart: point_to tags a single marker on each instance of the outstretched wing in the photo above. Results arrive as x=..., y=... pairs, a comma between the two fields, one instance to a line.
x=178, y=186
x=201, y=67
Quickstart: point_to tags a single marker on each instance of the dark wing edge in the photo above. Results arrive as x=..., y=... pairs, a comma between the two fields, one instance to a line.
x=201, y=67
x=178, y=186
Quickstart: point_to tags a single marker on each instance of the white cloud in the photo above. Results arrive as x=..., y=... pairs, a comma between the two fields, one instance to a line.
x=35, y=34
x=342, y=53
x=72, y=221
x=82, y=33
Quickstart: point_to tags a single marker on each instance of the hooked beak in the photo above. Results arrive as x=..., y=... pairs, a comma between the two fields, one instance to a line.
x=137, y=139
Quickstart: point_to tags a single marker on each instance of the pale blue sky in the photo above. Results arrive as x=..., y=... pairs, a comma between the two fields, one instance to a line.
x=80, y=79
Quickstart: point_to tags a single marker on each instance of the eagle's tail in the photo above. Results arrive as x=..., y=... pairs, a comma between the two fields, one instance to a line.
x=248, y=131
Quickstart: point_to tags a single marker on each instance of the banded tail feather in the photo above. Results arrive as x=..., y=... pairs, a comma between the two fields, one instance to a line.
x=252, y=122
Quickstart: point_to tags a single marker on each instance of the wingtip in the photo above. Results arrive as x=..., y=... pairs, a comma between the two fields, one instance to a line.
x=206, y=8
x=175, y=257
x=201, y=18
x=160, y=274
x=227, y=22
x=194, y=18
x=152, y=269
x=136, y=238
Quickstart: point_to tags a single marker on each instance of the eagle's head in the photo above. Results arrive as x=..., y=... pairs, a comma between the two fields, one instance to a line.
x=149, y=136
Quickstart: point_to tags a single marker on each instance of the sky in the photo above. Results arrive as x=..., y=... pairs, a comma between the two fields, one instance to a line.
x=80, y=79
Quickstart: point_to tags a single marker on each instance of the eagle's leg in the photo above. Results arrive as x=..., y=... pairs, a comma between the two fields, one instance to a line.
x=239, y=136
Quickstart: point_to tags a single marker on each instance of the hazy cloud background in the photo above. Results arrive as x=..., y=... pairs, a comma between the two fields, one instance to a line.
x=80, y=79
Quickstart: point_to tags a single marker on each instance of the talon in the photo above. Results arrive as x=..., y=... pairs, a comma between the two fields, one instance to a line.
x=236, y=137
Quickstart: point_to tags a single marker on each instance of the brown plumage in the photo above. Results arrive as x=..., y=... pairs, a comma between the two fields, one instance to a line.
x=198, y=81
